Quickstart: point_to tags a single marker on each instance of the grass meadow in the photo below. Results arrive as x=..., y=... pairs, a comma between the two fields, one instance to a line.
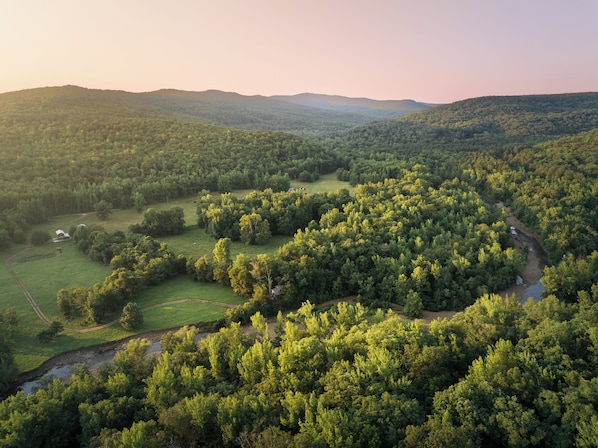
x=180, y=301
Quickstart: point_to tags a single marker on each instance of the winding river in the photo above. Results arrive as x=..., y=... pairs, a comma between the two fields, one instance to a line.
x=63, y=366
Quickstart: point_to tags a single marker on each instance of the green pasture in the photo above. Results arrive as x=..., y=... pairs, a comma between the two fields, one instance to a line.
x=173, y=303
x=45, y=276
x=182, y=288
x=44, y=271
x=196, y=242
x=326, y=183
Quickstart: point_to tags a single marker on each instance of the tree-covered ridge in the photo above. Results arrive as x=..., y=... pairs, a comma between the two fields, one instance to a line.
x=498, y=374
x=254, y=112
x=471, y=125
x=213, y=107
x=546, y=115
x=552, y=187
x=380, y=110
x=70, y=165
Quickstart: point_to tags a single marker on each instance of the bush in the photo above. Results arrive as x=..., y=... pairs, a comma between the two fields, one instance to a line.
x=306, y=176
x=132, y=316
x=40, y=237
x=47, y=335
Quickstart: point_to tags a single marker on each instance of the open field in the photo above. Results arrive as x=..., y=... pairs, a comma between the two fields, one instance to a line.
x=326, y=183
x=173, y=303
x=44, y=271
x=196, y=242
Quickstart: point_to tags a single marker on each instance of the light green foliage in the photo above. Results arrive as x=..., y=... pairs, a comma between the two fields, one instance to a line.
x=399, y=236
x=221, y=260
x=341, y=378
x=254, y=229
x=132, y=316
x=571, y=275
x=240, y=276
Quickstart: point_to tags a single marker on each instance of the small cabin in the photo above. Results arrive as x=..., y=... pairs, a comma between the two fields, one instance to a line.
x=61, y=235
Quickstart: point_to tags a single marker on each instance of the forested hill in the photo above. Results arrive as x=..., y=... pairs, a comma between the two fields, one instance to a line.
x=306, y=114
x=286, y=114
x=476, y=124
x=546, y=115
x=70, y=147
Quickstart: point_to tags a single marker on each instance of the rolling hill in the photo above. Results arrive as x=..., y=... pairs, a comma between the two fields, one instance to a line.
x=306, y=115
x=478, y=123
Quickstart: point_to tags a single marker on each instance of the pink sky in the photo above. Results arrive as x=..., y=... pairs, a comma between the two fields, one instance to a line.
x=435, y=51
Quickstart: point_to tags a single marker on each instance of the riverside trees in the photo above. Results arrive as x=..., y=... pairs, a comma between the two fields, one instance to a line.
x=497, y=374
x=404, y=236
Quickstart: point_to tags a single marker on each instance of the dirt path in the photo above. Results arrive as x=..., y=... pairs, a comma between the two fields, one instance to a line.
x=28, y=296
x=44, y=318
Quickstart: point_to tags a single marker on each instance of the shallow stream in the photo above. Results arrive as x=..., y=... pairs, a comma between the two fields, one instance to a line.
x=534, y=291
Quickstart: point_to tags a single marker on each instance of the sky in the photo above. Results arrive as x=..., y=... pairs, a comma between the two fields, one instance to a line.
x=435, y=51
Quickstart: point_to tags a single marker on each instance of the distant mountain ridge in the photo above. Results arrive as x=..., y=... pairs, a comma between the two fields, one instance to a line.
x=379, y=109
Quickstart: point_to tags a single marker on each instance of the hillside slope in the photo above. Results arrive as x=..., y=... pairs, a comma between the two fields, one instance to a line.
x=70, y=147
x=479, y=123
x=306, y=115
x=547, y=115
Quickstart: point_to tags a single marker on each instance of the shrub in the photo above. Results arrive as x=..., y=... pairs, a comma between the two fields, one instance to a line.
x=132, y=316
x=40, y=237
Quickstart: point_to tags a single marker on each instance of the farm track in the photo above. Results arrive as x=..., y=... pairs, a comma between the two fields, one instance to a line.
x=47, y=321
x=26, y=293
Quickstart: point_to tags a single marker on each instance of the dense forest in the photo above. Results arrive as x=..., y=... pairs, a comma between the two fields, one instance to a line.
x=419, y=231
x=499, y=374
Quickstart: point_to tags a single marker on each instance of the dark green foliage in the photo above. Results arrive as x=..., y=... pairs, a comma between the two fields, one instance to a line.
x=161, y=222
x=8, y=367
x=4, y=239
x=49, y=334
x=413, y=305
x=103, y=210
x=541, y=115
x=123, y=152
x=40, y=237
